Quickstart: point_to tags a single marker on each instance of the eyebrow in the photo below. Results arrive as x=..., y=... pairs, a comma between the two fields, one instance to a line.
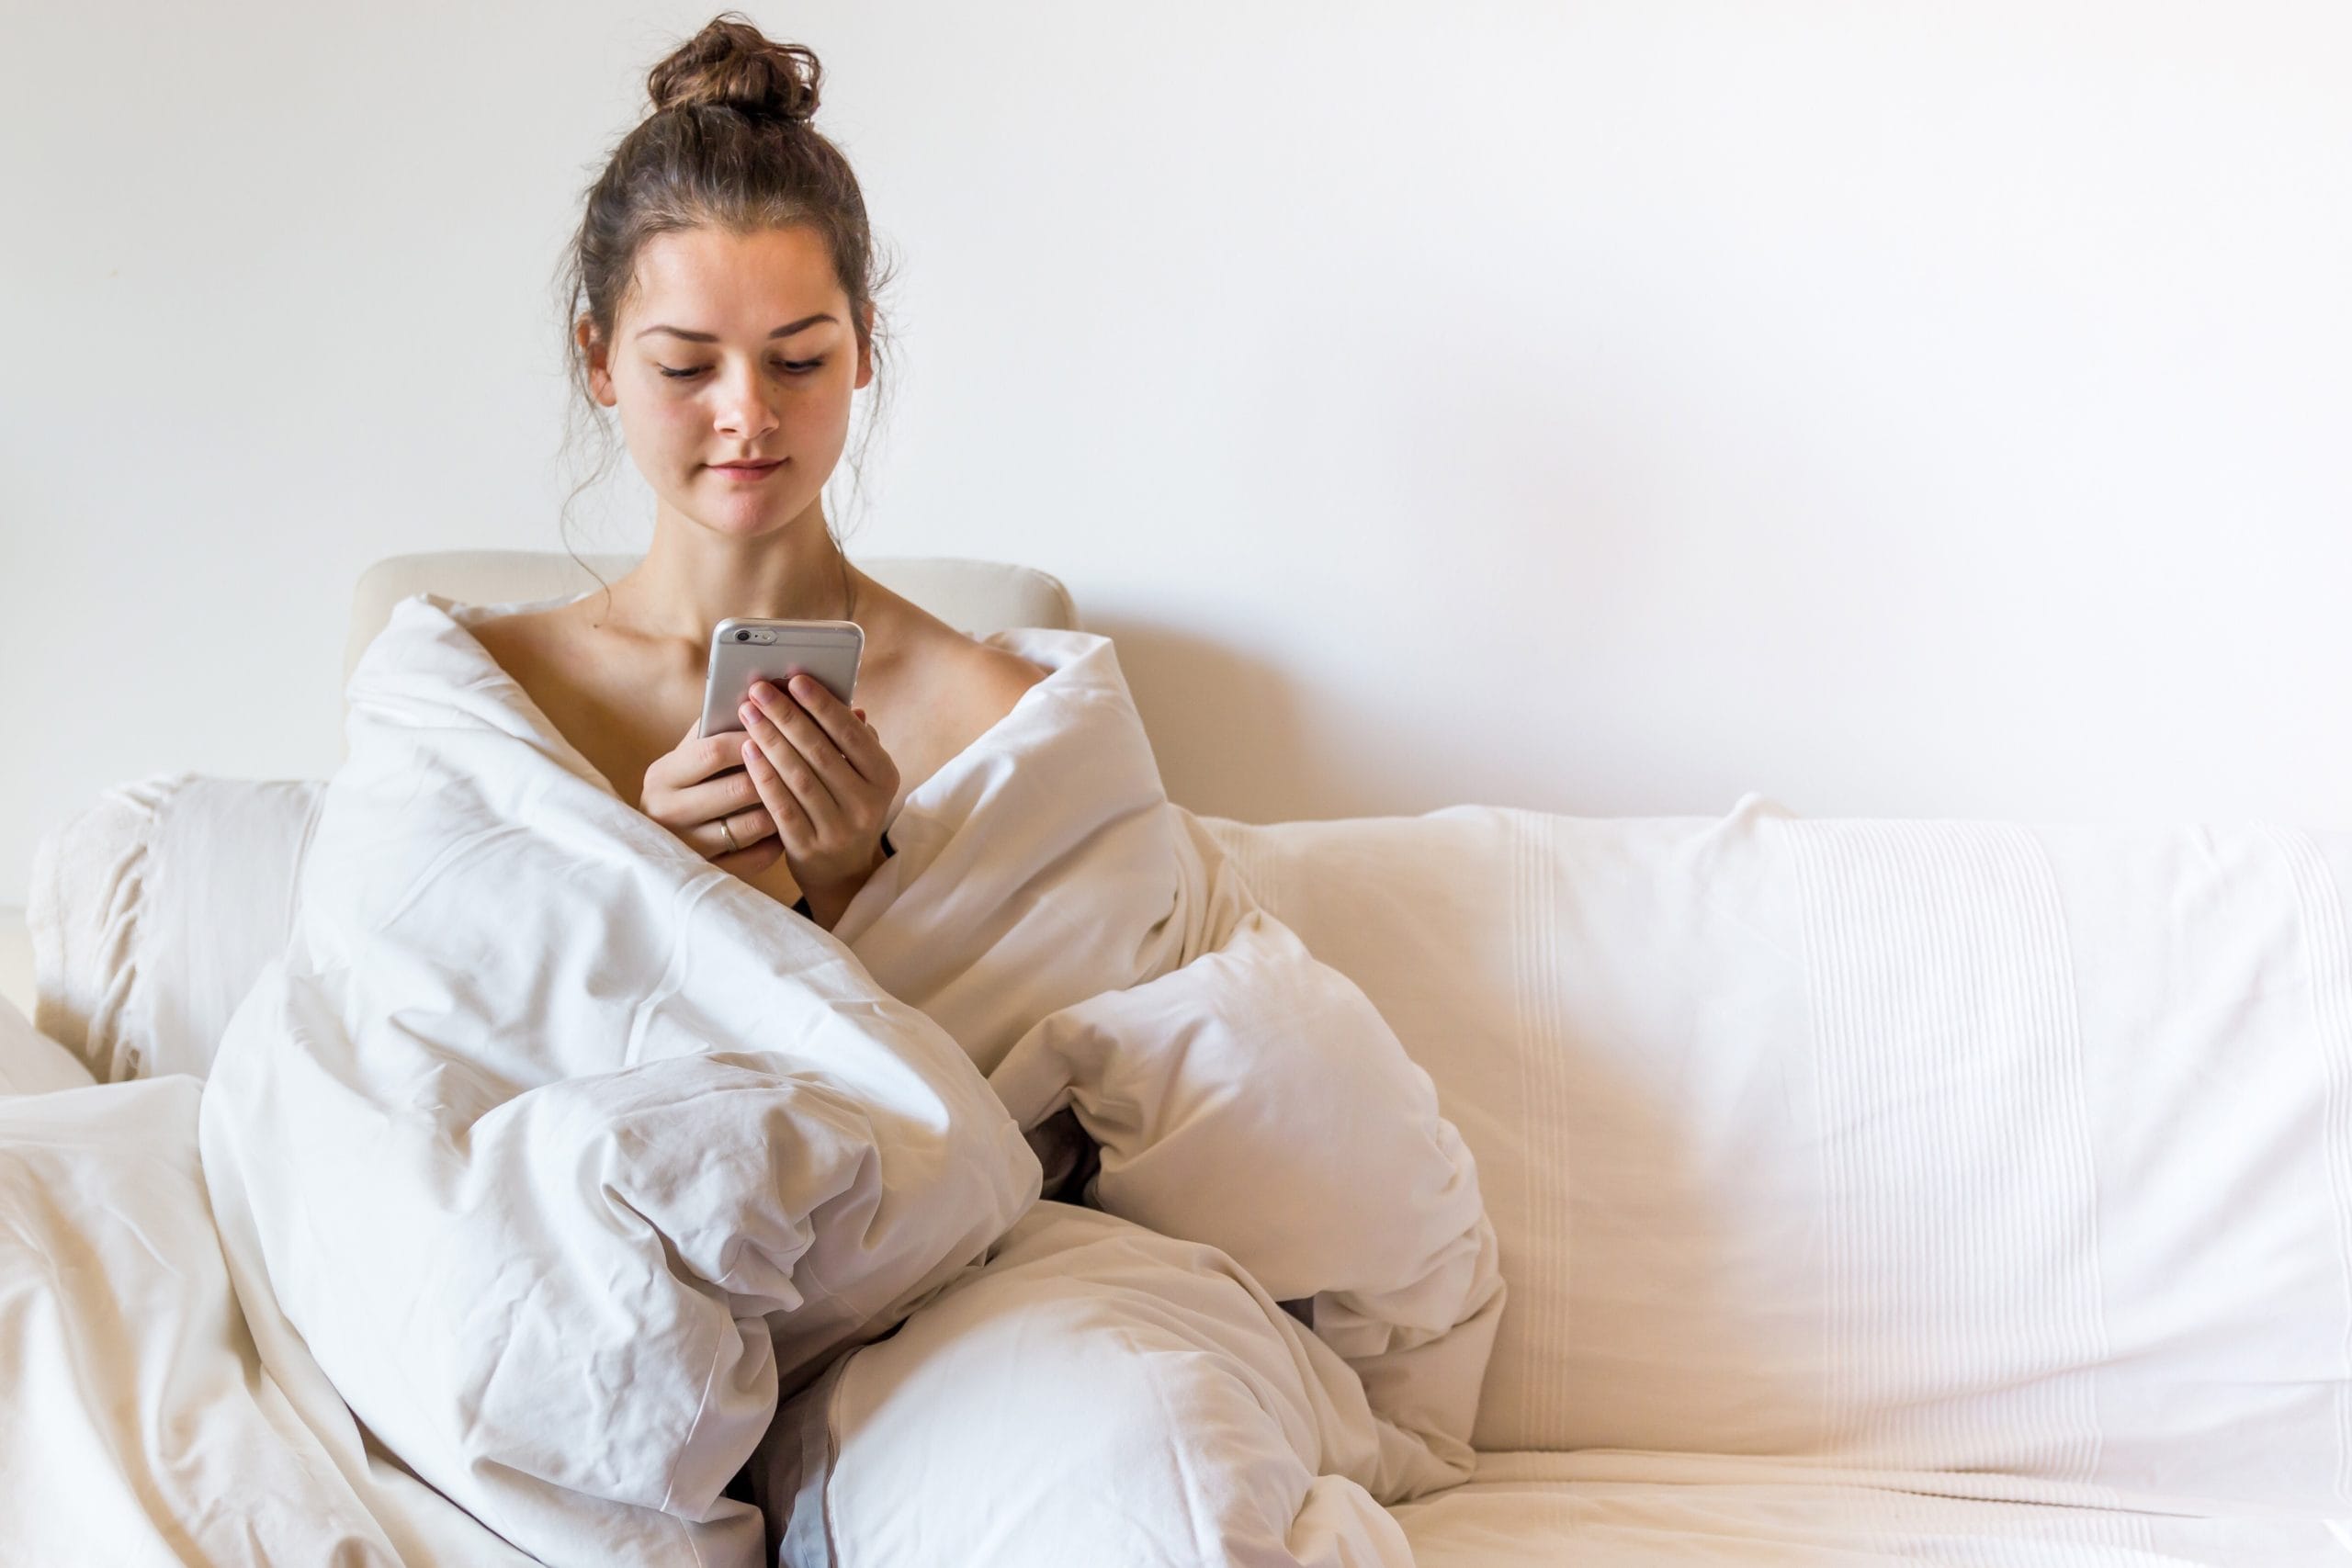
x=785, y=331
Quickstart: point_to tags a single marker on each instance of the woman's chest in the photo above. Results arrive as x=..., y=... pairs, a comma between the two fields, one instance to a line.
x=624, y=712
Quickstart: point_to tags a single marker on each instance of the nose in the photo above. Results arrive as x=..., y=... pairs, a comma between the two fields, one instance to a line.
x=744, y=411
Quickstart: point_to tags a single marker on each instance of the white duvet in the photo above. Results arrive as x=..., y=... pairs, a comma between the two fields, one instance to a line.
x=565, y=1157
x=139, y=1424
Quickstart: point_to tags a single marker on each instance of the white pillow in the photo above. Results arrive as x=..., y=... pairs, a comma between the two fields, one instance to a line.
x=30, y=1062
x=153, y=911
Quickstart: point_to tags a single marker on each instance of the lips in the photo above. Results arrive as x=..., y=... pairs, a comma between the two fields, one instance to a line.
x=747, y=467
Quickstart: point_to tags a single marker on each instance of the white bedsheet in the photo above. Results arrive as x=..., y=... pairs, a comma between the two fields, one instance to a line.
x=1617, y=1509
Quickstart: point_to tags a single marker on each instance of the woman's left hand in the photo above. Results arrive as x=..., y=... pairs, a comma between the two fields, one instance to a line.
x=821, y=771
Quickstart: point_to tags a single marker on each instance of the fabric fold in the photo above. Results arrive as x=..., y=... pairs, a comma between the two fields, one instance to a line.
x=1093, y=947
x=565, y=1151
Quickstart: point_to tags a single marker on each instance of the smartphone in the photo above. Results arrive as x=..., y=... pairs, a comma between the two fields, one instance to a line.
x=744, y=649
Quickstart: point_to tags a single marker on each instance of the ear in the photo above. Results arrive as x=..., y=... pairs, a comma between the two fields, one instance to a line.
x=600, y=374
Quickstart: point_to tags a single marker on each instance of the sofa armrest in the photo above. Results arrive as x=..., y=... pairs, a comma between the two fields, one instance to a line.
x=16, y=958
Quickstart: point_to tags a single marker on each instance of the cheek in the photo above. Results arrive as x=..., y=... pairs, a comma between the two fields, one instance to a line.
x=667, y=418
x=827, y=418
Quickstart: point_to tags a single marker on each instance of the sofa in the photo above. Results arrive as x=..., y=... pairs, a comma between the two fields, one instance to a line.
x=1871, y=1192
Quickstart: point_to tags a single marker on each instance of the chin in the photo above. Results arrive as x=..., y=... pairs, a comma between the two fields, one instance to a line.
x=744, y=525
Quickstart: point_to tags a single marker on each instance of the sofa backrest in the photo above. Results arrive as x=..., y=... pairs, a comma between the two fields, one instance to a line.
x=977, y=597
x=1899, y=1145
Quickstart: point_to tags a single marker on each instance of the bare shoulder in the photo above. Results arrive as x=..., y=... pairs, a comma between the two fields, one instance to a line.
x=558, y=648
x=954, y=689
x=544, y=655
x=517, y=642
x=958, y=681
x=998, y=676
x=971, y=686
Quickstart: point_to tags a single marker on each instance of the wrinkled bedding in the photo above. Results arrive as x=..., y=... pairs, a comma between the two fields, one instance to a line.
x=1097, y=1393
x=140, y=1424
x=1091, y=945
x=569, y=1160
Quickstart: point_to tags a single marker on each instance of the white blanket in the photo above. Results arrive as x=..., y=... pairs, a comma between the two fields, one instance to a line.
x=139, y=1424
x=1090, y=944
x=563, y=1150
x=566, y=1154
x=1093, y=947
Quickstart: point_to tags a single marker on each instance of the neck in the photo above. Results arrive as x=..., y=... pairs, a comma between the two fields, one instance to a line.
x=692, y=579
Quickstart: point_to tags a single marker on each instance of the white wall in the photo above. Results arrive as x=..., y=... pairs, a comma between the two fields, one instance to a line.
x=1896, y=409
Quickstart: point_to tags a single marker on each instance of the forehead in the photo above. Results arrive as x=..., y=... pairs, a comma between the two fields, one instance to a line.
x=714, y=281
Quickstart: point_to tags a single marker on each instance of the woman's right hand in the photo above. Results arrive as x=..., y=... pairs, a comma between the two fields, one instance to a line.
x=701, y=791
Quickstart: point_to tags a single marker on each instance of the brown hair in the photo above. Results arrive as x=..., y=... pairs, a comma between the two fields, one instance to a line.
x=730, y=146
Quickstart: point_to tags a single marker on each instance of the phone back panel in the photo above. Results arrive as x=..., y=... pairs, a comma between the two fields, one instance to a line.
x=830, y=650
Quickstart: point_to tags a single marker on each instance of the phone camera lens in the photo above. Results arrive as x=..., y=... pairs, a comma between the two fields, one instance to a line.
x=742, y=635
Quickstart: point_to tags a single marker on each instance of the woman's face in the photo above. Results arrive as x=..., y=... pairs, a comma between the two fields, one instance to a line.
x=734, y=347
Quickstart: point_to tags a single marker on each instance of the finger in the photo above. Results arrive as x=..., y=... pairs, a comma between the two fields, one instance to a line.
x=721, y=794
x=873, y=759
x=695, y=759
x=851, y=791
x=669, y=769
x=846, y=727
x=704, y=754
x=722, y=833
x=822, y=779
x=735, y=830
x=750, y=863
x=718, y=752
x=792, y=823
x=856, y=792
x=827, y=819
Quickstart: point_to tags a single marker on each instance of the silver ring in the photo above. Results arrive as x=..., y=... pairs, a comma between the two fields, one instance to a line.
x=730, y=832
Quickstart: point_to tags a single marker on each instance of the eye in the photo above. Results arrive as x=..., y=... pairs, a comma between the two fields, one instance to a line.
x=796, y=366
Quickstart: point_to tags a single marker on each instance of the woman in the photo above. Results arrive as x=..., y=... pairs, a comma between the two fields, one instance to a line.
x=642, y=1123
x=722, y=284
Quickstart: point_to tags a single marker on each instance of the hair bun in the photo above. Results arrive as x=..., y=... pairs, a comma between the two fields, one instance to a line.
x=734, y=64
